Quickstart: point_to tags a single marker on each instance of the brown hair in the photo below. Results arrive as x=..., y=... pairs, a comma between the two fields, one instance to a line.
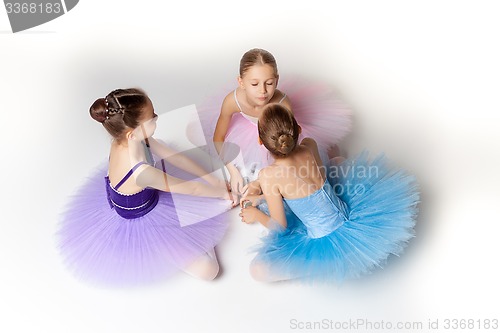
x=257, y=57
x=278, y=130
x=119, y=110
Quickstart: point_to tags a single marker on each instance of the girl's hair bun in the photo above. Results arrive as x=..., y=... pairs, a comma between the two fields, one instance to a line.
x=98, y=110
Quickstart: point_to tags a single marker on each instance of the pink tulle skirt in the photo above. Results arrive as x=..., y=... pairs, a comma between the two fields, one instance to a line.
x=315, y=105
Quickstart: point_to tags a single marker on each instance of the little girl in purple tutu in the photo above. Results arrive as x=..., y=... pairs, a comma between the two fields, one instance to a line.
x=132, y=223
x=233, y=127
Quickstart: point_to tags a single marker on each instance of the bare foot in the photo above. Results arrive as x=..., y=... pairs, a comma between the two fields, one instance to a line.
x=334, y=155
x=333, y=151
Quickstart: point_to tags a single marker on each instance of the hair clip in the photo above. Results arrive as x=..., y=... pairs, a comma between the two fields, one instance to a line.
x=106, y=111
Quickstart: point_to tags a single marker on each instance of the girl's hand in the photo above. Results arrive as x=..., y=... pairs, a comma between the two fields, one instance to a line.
x=237, y=184
x=226, y=195
x=249, y=215
x=254, y=200
x=219, y=184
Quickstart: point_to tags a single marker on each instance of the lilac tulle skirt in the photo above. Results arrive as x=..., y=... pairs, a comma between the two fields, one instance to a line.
x=103, y=248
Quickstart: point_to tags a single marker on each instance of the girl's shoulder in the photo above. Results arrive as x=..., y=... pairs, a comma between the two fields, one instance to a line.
x=269, y=173
x=308, y=144
x=282, y=98
x=270, y=179
x=229, y=104
x=279, y=94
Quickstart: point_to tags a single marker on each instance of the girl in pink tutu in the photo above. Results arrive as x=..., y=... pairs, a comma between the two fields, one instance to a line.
x=233, y=127
x=133, y=223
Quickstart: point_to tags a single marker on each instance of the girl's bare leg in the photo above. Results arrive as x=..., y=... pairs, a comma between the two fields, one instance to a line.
x=261, y=272
x=204, y=268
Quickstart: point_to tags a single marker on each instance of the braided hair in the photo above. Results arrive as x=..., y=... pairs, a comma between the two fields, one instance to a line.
x=119, y=110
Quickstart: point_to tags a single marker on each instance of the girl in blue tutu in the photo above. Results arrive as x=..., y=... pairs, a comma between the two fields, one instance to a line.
x=324, y=223
x=133, y=223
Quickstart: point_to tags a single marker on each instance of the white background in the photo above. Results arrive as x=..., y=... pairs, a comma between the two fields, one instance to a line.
x=422, y=78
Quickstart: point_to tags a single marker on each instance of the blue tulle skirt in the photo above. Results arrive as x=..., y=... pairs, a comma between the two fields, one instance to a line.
x=381, y=209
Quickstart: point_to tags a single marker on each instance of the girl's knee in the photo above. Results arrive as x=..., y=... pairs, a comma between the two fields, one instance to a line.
x=259, y=272
x=210, y=269
x=205, y=268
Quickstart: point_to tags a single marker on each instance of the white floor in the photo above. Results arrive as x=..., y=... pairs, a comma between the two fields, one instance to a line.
x=422, y=80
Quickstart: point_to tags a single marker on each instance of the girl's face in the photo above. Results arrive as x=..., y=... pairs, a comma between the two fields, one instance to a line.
x=259, y=83
x=147, y=126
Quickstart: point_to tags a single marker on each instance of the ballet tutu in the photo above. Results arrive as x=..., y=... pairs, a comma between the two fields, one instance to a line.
x=315, y=105
x=380, y=209
x=103, y=248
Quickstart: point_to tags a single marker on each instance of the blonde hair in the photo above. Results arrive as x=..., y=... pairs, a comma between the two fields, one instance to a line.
x=257, y=57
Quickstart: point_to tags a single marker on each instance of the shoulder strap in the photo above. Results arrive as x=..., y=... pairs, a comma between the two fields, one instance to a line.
x=236, y=99
x=127, y=176
x=282, y=98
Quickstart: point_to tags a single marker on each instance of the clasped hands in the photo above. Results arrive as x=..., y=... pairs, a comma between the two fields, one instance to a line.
x=252, y=197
